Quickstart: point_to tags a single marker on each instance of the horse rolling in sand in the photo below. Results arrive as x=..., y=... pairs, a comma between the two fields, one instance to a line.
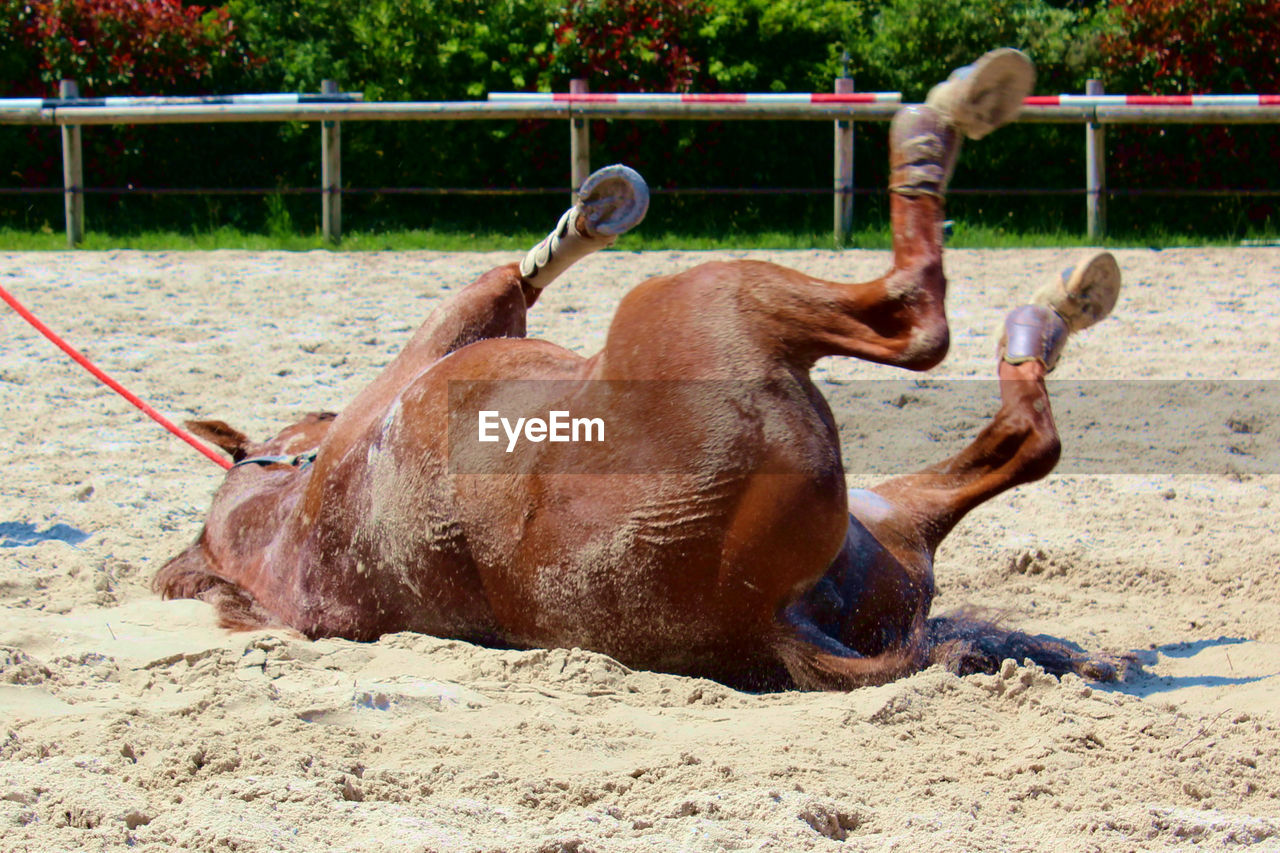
x=711, y=532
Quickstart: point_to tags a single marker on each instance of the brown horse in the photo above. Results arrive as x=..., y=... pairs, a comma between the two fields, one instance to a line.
x=709, y=531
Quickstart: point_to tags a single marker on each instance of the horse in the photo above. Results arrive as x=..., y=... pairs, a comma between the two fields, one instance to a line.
x=709, y=531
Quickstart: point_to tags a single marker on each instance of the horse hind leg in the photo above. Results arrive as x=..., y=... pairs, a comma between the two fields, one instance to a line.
x=1020, y=445
x=901, y=317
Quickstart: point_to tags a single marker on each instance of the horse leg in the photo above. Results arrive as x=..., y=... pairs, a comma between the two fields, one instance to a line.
x=909, y=516
x=610, y=202
x=900, y=318
x=1020, y=444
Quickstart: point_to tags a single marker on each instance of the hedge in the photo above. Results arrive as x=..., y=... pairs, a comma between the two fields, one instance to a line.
x=462, y=49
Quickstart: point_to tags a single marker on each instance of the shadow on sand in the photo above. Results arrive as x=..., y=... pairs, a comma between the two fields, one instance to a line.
x=1141, y=682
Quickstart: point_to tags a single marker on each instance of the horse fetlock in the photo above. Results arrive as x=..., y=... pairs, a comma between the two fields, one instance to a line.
x=1033, y=333
x=922, y=152
x=559, y=250
x=610, y=202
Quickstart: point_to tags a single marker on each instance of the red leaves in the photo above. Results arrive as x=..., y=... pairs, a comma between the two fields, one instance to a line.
x=126, y=46
x=631, y=45
x=1190, y=46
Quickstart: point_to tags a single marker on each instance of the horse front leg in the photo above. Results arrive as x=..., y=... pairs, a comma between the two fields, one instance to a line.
x=1020, y=445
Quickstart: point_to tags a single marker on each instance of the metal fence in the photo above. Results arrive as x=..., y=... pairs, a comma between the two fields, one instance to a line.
x=844, y=107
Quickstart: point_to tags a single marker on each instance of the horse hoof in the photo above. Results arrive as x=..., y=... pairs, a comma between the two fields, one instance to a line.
x=1086, y=292
x=976, y=99
x=612, y=201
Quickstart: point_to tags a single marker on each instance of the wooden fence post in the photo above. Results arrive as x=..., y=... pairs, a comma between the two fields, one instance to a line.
x=72, y=171
x=579, y=144
x=331, y=172
x=1095, y=157
x=843, y=207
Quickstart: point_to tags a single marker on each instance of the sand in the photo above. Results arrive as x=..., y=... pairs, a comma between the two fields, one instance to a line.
x=130, y=722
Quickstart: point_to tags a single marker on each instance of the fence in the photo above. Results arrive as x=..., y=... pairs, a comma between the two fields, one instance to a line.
x=844, y=107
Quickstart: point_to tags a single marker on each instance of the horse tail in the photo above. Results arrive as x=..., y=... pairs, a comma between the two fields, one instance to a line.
x=965, y=643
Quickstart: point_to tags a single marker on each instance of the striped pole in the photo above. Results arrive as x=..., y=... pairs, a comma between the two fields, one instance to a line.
x=72, y=101
x=1100, y=100
x=678, y=98
x=1085, y=100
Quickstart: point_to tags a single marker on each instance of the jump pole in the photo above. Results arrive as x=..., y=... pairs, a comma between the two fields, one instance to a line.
x=1095, y=159
x=842, y=222
x=72, y=171
x=579, y=145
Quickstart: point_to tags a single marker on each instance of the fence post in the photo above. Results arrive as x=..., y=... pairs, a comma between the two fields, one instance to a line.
x=1095, y=157
x=579, y=144
x=331, y=172
x=843, y=207
x=72, y=171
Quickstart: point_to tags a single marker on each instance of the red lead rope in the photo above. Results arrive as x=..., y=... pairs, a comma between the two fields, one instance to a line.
x=109, y=382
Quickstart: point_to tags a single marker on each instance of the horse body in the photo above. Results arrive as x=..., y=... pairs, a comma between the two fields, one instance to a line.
x=710, y=533
x=737, y=486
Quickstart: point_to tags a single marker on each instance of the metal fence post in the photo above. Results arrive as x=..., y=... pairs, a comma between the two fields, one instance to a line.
x=1095, y=158
x=72, y=171
x=331, y=172
x=843, y=207
x=579, y=144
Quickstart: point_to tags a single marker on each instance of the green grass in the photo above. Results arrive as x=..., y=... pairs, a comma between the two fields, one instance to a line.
x=965, y=236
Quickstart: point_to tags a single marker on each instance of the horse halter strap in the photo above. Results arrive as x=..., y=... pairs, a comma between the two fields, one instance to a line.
x=301, y=461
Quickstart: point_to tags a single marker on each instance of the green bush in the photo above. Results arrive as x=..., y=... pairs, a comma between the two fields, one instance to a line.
x=1223, y=46
x=462, y=49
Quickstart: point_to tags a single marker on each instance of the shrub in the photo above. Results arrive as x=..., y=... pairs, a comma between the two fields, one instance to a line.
x=629, y=45
x=1185, y=46
x=126, y=46
x=912, y=45
x=1179, y=47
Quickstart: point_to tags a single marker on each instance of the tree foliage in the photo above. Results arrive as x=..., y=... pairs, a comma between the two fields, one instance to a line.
x=463, y=49
x=118, y=47
x=1188, y=46
x=911, y=45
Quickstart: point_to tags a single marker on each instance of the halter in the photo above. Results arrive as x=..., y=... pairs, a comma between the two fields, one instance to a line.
x=301, y=461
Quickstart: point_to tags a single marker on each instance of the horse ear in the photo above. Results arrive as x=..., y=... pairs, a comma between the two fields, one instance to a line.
x=227, y=437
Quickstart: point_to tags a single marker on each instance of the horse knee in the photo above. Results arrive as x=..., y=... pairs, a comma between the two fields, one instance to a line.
x=915, y=295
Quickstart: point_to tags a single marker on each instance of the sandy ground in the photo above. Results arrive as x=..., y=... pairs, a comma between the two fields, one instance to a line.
x=126, y=721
